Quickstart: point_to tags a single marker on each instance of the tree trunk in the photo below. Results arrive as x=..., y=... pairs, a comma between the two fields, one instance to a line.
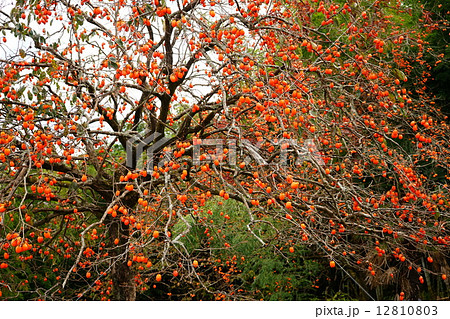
x=124, y=287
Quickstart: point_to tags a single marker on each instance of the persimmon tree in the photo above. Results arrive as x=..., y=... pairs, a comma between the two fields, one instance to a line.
x=300, y=113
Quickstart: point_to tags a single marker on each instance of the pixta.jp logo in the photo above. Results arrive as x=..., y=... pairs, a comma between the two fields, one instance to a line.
x=146, y=150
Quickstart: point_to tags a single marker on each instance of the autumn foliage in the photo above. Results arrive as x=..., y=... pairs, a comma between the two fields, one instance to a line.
x=331, y=144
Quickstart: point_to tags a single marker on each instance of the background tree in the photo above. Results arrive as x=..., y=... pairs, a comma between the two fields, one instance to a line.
x=432, y=21
x=326, y=153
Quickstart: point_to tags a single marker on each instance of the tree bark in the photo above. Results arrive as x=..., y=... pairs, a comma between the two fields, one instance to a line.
x=124, y=287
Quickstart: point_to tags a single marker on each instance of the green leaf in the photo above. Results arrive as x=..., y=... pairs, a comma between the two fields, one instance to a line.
x=399, y=74
x=113, y=64
x=79, y=19
x=119, y=42
x=21, y=90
